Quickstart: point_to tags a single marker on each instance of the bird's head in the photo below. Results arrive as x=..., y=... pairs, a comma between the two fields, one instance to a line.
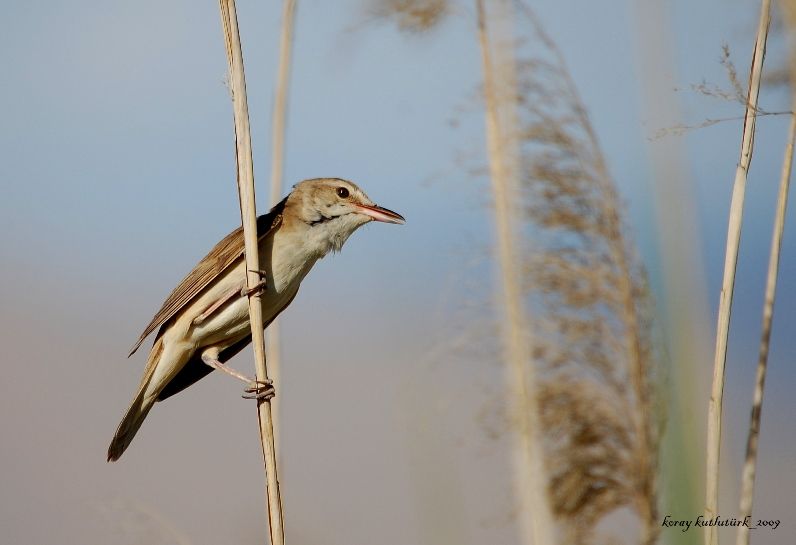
x=334, y=208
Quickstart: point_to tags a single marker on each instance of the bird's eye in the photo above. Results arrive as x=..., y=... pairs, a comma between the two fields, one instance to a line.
x=342, y=192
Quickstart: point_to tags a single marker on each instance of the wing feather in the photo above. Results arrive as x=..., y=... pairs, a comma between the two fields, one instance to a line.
x=223, y=254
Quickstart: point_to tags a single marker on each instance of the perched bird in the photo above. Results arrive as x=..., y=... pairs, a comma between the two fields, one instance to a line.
x=205, y=321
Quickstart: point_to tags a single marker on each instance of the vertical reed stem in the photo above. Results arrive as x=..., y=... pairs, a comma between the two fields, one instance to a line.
x=748, y=475
x=280, y=101
x=237, y=81
x=728, y=283
x=278, y=136
x=531, y=485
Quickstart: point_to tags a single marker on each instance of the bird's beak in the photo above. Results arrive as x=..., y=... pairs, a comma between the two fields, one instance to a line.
x=380, y=214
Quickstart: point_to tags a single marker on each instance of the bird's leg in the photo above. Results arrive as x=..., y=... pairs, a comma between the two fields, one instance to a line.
x=215, y=364
x=259, y=287
x=258, y=389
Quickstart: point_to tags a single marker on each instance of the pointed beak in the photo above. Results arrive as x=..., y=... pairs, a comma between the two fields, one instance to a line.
x=380, y=214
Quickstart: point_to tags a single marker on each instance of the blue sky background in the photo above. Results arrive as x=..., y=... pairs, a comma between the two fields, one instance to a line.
x=117, y=173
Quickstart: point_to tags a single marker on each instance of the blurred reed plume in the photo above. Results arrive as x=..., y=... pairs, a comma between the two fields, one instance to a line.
x=410, y=15
x=135, y=522
x=583, y=292
x=598, y=368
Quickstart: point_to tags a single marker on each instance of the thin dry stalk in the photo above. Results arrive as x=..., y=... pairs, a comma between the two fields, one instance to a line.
x=748, y=475
x=237, y=79
x=280, y=101
x=278, y=135
x=532, y=486
x=728, y=283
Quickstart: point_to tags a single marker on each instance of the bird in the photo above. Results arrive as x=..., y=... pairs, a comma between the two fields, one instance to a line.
x=204, y=322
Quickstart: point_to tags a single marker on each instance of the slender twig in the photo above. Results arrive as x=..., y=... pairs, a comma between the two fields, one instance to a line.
x=278, y=136
x=245, y=178
x=748, y=475
x=532, y=485
x=709, y=122
x=728, y=283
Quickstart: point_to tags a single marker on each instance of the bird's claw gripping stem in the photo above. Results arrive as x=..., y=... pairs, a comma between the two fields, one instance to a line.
x=260, y=389
x=257, y=289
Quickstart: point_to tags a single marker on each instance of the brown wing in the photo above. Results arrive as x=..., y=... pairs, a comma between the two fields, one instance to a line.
x=224, y=254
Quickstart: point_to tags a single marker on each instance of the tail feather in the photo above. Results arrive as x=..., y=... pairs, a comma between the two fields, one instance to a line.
x=129, y=425
x=139, y=408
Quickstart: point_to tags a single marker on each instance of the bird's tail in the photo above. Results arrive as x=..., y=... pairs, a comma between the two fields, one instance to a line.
x=139, y=408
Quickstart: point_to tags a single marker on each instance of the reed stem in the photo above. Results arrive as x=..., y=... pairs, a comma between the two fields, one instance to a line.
x=245, y=177
x=728, y=282
x=531, y=483
x=749, y=468
x=278, y=136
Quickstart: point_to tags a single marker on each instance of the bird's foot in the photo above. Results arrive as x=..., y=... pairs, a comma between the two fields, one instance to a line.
x=260, y=390
x=257, y=289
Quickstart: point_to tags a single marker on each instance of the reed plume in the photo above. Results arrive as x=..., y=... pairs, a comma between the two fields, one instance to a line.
x=413, y=16
x=584, y=297
x=599, y=397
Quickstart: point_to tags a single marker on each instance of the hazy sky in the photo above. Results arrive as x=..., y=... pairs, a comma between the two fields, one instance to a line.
x=117, y=171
